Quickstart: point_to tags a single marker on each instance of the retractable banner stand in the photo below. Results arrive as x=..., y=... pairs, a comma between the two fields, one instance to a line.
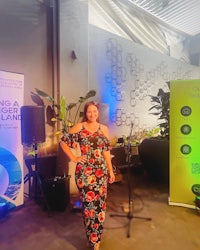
x=11, y=149
x=184, y=141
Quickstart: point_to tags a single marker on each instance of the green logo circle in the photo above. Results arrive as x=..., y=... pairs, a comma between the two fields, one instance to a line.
x=186, y=149
x=186, y=111
x=186, y=129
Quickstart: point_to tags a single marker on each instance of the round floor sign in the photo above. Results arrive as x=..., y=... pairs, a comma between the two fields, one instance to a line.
x=10, y=174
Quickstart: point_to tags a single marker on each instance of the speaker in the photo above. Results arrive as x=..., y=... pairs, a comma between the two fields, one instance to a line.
x=56, y=191
x=32, y=124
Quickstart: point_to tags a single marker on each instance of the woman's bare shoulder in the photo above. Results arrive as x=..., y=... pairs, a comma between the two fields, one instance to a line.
x=76, y=128
x=105, y=130
x=103, y=126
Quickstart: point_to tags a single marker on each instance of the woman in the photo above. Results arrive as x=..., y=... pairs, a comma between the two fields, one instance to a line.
x=93, y=170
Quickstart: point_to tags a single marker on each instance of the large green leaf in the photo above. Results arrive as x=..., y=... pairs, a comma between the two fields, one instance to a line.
x=44, y=94
x=62, y=114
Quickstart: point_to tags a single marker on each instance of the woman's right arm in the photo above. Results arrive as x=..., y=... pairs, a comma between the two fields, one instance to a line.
x=67, y=150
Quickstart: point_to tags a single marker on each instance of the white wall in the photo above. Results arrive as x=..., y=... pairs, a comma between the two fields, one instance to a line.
x=125, y=74
x=23, y=43
x=73, y=38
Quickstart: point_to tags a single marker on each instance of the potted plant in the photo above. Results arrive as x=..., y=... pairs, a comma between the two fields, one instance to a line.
x=61, y=112
x=161, y=109
x=139, y=136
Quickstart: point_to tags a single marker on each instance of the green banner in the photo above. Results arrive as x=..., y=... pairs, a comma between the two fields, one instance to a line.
x=184, y=141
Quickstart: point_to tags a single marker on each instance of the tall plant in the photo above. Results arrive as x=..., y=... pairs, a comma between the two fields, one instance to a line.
x=161, y=108
x=61, y=112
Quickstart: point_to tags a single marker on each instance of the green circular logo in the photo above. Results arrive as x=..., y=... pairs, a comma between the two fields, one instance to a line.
x=186, y=149
x=186, y=129
x=186, y=111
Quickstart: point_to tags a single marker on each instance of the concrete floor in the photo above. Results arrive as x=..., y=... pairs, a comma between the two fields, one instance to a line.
x=30, y=227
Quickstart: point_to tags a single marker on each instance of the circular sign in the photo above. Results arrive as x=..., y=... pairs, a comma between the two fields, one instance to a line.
x=186, y=149
x=11, y=170
x=186, y=129
x=186, y=111
x=4, y=180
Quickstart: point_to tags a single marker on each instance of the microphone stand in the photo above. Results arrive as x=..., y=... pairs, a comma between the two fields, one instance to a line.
x=37, y=180
x=130, y=215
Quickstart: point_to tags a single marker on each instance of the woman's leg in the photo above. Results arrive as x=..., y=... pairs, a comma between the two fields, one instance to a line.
x=94, y=208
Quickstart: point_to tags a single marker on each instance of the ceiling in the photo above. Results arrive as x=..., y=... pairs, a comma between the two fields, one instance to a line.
x=181, y=15
x=167, y=26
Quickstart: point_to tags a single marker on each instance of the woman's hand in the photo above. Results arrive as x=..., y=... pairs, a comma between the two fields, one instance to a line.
x=111, y=177
x=81, y=159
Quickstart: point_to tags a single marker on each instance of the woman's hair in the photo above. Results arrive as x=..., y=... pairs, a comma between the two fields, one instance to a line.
x=86, y=108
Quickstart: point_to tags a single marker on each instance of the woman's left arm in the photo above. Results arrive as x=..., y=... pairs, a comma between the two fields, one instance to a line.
x=107, y=157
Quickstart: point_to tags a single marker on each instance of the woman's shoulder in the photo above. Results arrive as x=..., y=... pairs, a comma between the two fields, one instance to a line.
x=102, y=126
x=104, y=129
x=76, y=128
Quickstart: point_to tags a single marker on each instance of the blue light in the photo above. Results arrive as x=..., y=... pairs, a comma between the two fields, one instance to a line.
x=78, y=204
x=108, y=99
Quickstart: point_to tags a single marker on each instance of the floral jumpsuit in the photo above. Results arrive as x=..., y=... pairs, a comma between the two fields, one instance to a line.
x=91, y=179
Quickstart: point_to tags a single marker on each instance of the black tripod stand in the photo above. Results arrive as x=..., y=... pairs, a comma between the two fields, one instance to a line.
x=34, y=178
x=129, y=215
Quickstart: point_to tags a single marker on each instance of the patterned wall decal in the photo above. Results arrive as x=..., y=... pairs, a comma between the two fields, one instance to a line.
x=125, y=66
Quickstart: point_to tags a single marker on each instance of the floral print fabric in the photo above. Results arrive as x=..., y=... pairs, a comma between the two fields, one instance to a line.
x=91, y=179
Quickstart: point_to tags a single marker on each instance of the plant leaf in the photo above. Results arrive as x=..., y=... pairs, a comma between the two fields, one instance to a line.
x=62, y=114
x=81, y=99
x=91, y=93
x=36, y=99
x=70, y=106
x=44, y=94
x=53, y=119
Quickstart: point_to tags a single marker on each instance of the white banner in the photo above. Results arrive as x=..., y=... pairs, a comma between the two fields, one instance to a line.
x=11, y=149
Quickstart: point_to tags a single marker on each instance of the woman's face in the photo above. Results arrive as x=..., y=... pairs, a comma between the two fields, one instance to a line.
x=92, y=113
